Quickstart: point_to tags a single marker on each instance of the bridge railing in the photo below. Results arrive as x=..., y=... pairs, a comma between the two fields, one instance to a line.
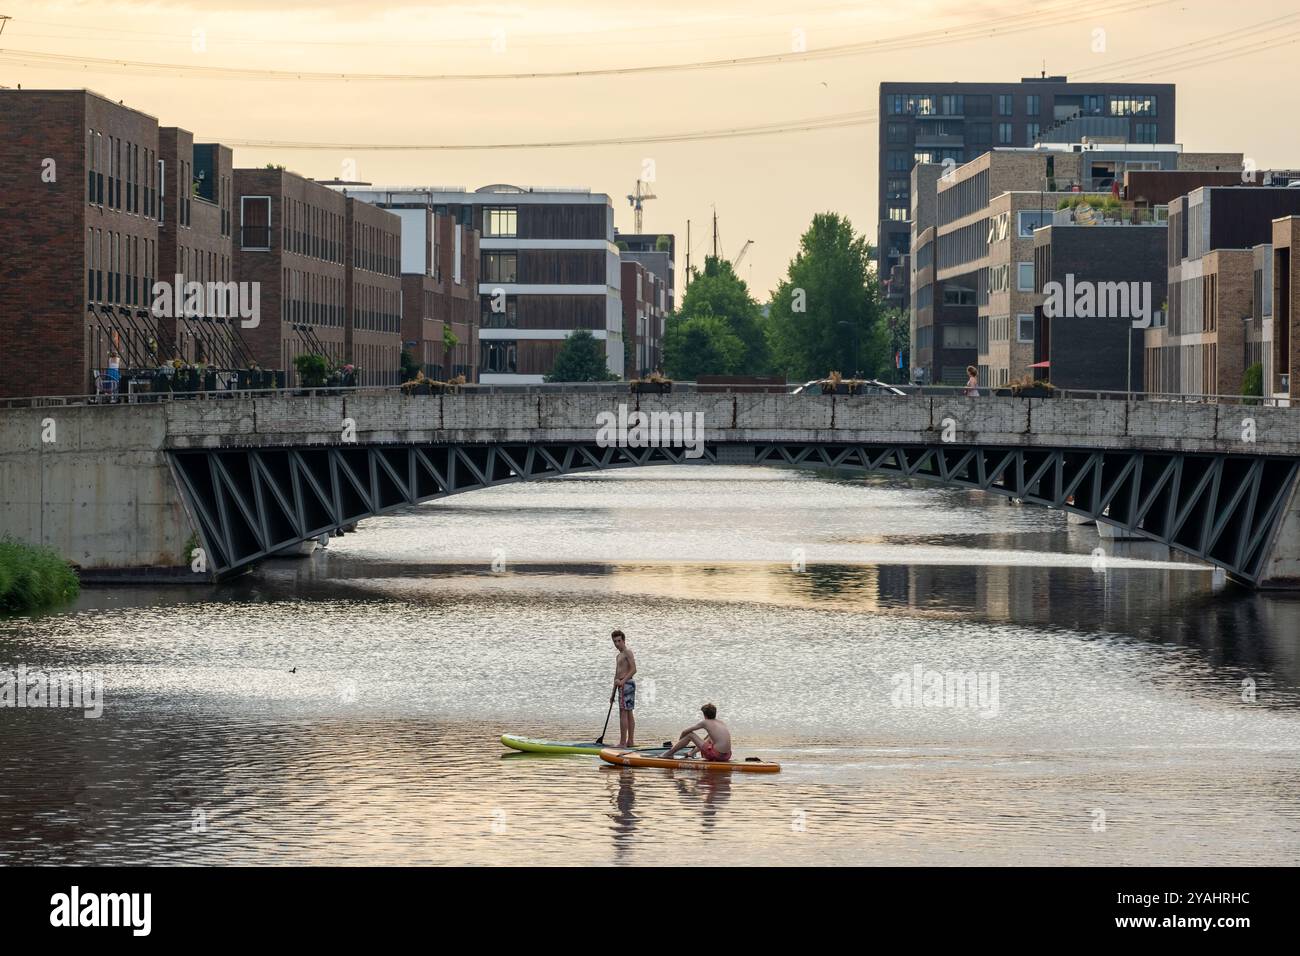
x=901, y=392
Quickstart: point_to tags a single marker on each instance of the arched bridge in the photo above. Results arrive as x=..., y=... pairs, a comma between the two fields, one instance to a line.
x=259, y=475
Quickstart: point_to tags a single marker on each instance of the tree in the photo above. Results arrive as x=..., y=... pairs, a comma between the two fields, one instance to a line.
x=701, y=345
x=581, y=359
x=719, y=292
x=826, y=313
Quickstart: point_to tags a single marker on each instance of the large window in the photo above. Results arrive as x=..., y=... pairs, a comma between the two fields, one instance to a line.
x=1031, y=132
x=498, y=355
x=500, y=222
x=1033, y=103
x=499, y=267
x=255, y=222
x=1024, y=328
x=1148, y=132
x=1029, y=220
x=898, y=133
x=1141, y=104
x=1004, y=134
x=1006, y=104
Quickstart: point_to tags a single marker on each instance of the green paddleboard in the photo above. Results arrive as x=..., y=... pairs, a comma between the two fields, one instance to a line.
x=532, y=745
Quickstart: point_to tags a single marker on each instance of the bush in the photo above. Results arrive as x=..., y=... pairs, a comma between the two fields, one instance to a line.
x=1252, y=382
x=313, y=370
x=33, y=577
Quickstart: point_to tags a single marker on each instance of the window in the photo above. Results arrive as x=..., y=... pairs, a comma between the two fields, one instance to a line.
x=979, y=133
x=1006, y=104
x=899, y=162
x=1093, y=104
x=1139, y=104
x=953, y=105
x=1004, y=134
x=897, y=133
x=1024, y=328
x=500, y=222
x=1031, y=132
x=1148, y=133
x=1032, y=104
x=254, y=222
x=1025, y=277
x=1030, y=220
x=498, y=355
x=960, y=337
x=898, y=213
x=500, y=267
x=507, y=318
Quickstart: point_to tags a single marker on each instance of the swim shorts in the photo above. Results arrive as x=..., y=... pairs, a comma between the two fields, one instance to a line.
x=628, y=699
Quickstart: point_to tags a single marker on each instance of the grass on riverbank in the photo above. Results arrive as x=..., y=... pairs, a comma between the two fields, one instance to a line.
x=32, y=577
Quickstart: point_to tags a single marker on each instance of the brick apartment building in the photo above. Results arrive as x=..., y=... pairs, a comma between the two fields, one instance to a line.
x=292, y=241
x=195, y=230
x=373, y=332
x=1225, y=249
x=547, y=256
x=79, y=243
x=644, y=296
x=658, y=253
x=954, y=123
x=439, y=261
x=974, y=292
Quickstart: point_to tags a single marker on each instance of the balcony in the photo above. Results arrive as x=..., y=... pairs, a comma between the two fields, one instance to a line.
x=940, y=139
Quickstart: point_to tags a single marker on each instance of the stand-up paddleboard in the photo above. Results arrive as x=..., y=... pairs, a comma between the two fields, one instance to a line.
x=533, y=746
x=627, y=758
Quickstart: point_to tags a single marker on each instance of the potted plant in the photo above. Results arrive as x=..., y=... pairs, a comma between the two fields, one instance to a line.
x=654, y=382
x=831, y=383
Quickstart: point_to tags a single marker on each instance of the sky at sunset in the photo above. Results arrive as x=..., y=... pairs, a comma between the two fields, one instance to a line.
x=405, y=75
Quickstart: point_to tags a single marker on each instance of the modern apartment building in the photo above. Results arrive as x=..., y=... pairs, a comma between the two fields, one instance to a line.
x=1105, y=272
x=78, y=241
x=644, y=296
x=195, y=241
x=658, y=253
x=1220, y=319
x=440, y=300
x=292, y=241
x=977, y=252
x=548, y=264
x=950, y=124
x=373, y=332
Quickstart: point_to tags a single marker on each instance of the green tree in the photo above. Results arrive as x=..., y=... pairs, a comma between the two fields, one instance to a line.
x=719, y=292
x=826, y=314
x=701, y=345
x=581, y=359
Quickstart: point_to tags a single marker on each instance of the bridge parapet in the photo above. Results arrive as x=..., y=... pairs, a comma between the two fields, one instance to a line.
x=731, y=418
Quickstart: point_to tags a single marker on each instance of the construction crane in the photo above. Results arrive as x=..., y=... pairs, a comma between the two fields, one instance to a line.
x=743, y=249
x=637, y=199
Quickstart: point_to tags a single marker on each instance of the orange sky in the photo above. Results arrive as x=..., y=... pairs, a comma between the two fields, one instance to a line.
x=764, y=188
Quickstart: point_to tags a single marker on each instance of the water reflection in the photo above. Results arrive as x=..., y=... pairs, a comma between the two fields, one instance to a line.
x=344, y=708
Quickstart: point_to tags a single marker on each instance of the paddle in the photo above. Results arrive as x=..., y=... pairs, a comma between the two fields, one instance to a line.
x=601, y=739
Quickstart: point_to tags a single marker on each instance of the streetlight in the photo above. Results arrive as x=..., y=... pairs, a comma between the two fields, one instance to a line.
x=856, y=353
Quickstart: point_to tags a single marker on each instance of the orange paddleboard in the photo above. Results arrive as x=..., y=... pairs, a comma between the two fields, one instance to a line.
x=623, y=758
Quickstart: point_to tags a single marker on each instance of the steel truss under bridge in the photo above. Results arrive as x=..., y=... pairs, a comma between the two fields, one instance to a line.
x=1222, y=508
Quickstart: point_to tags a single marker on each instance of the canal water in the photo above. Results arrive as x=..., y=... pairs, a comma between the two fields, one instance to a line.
x=345, y=707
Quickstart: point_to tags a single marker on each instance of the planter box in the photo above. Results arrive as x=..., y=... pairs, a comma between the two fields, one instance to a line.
x=1033, y=393
x=652, y=387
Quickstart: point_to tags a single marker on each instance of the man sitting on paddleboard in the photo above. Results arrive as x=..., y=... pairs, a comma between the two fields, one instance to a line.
x=625, y=690
x=716, y=746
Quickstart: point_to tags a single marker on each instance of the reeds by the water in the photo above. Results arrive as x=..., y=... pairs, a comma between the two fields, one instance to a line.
x=32, y=577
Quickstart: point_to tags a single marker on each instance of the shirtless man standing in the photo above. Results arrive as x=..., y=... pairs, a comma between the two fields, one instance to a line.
x=624, y=690
x=715, y=746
